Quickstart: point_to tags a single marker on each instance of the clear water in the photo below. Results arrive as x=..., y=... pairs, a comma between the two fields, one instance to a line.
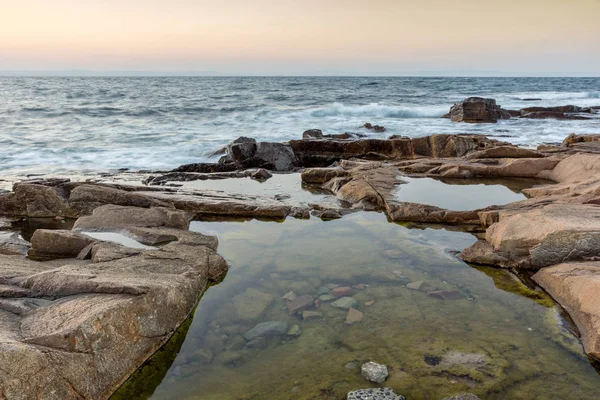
x=461, y=194
x=499, y=339
x=50, y=125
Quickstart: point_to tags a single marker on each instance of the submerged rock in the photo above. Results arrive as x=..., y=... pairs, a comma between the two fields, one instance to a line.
x=294, y=331
x=300, y=303
x=310, y=315
x=373, y=372
x=342, y=291
x=270, y=328
x=353, y=316
x=421, y=286
x=374, y=394
x=446, y=295
x=345, y=303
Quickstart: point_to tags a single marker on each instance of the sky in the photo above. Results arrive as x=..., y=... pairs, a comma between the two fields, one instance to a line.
x=308, y=37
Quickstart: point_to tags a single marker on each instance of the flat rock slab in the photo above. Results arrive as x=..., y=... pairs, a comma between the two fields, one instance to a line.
x=100, y=320
x=446, y=295
x=270, y=328
x=345, y=303
x=300, y=303
x=576, y=286
x=547, y=235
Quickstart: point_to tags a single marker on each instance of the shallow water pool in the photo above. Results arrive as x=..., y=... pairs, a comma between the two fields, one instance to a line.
x=462, y=194
x=488, y=334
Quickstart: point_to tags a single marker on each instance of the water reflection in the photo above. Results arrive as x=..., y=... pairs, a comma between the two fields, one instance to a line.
x=489, y=341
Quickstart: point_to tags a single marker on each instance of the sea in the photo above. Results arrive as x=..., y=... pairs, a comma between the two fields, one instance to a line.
x=54, y=125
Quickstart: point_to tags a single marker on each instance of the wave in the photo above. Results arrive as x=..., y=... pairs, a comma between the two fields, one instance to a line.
x=558, y=95
x=376, y=110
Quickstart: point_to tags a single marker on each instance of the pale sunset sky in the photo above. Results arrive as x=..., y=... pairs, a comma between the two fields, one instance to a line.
x=308, y=37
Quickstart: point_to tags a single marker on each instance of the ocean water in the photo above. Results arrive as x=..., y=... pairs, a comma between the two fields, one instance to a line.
x=60, y=125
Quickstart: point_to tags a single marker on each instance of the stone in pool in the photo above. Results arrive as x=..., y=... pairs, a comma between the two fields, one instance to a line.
x=421, y=286
x=309, y=315
x=446, y=295
x=353, y=316
x=345, y=303
x=300, y=303
x=270, y=328
x=374, y=394
x=342, y=291
x=373, y=372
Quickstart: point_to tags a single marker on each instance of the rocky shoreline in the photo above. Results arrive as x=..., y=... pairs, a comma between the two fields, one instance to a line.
x=89, y=312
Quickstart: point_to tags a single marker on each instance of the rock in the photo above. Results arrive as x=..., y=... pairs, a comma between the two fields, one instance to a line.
x=251, y=304
x=421, y=286
x=112, y=217
x=575, y=286
x=300, y=303
x=308, y=315
x=446, y=295
x=49, y=244
x=375, y=128
x=107, y=320
x=342, y=291
x=475, y=110
x=327, y=214
x=326, y=297
x=264, y=329
x=294, y=331
x=241, y=149
x=345, y=303
x=559, y=109
x=504, y=152
x=273, y=156
x=289, y=296
x=353, y=316
x=261, y=174
x=374, y=394
x=547, y=235
x=573, y=139
x=312, y=134
x=374, y=372
x=202, y=356
x=257, y=343
x=465, y=396
x=394, y=253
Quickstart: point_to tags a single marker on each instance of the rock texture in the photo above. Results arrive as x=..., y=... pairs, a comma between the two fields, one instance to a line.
x=374, y=394
x=476, y=110
x=373, y=372
x=76, y=329
x=576, y=287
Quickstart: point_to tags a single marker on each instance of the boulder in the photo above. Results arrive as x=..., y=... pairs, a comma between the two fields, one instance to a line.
x=345, y=303
x=35, y=200
x=475, y=110
x=572, y=139
x=353, y=316
x=575, y=286
x=49, y=244
x=547, y=235
x=373, y=372
x=114, y=217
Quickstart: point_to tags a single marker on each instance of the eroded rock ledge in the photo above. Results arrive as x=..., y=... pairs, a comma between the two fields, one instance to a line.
x=78, y=326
